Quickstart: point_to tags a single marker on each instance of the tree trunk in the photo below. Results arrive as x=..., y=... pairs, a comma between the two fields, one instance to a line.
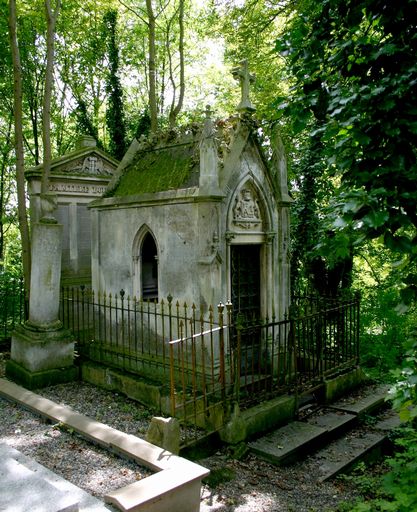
x=175, y=110
x=152, y=66
x=20, y=161
x=51, y=17
x=3, y=195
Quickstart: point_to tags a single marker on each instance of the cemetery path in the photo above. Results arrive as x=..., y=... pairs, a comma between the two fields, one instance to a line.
x=88, y=466
x=248, y=485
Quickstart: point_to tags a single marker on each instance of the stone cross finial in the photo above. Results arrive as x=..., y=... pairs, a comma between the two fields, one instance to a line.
x=242, y=74
x=208, y=129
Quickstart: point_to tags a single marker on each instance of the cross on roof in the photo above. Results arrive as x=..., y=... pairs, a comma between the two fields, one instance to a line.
x=242, y=74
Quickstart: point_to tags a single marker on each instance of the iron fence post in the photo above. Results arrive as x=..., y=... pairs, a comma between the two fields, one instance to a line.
x=237, y=362
x=220, y=309
x=172, y=379
x=229, y=308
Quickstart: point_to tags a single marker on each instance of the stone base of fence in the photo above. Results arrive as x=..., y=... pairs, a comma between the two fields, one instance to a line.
x=154, y=395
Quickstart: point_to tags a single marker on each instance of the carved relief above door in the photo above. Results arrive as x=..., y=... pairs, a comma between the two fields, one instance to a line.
x=246, y=212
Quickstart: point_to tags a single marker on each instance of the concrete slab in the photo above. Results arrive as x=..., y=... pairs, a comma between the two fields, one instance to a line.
x=340, y=455
x=26, y=486
x=372, y=400
x=286, y=444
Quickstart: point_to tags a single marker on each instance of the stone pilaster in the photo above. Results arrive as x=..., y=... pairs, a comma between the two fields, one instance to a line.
x=209, y=173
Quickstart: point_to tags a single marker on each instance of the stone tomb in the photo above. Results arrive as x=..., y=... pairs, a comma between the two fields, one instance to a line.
x=76, y=179
x=199, y=214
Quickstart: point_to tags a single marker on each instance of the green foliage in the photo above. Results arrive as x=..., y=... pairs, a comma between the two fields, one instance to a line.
x=85, y=124
x=400, y=484
x=144, y=125
x=313, y=269
x=404, y=392
x=365, y=482
x=384, y=331
x=396, y=491
x=354, y=72
x=12, y=263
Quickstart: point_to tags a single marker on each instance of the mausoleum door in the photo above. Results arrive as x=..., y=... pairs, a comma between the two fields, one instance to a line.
x=246, y=300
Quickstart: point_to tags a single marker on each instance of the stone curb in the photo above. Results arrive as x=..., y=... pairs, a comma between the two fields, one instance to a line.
x=176, y=485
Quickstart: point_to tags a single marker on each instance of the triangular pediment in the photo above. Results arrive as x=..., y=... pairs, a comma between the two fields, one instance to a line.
x=87, y=161
x=93, y=163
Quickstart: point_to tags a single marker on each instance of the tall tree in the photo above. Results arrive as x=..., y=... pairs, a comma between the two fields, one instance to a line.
x=32, y=53
x=18, y=136
x=165, y=56
x=176, y=106
x=153, y=107
x=115, y=116
x=51, y=19
x=5, y=160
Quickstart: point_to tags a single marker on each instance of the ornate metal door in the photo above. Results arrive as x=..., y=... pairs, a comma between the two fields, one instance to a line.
x=245, y=280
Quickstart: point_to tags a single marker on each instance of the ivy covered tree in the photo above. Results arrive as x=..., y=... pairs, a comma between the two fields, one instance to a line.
x=115, y=116
x=353, y=65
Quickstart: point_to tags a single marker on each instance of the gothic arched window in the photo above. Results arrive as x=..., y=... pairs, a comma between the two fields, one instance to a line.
x=149, y=268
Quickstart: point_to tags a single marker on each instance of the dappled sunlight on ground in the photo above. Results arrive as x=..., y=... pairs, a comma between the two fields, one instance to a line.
x=259, y=501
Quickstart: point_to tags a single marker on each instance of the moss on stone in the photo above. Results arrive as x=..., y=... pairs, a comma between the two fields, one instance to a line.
x=161, y=169
x=219, y=476
x=36, y=380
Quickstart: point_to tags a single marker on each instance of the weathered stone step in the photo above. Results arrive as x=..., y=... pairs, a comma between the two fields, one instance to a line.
x=283, y=445
x=340, y=455
x=372, y=400
x=334, y=422
x=388, y=421
x=26, y=490
x=294, y=440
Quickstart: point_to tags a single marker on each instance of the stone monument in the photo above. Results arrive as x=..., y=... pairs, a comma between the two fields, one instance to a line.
x=42, y=351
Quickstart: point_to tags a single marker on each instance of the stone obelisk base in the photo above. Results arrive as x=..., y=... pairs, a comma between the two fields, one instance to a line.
x=41, y=358
x=42, y=351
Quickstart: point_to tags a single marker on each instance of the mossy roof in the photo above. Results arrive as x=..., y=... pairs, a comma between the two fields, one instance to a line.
x=158, y=169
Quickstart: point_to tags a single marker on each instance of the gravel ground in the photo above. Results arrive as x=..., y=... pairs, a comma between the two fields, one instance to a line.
x=248, y=485
x=84, y=464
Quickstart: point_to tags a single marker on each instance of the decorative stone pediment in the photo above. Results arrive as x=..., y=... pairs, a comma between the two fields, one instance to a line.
x=246, y=213
x=87, y=165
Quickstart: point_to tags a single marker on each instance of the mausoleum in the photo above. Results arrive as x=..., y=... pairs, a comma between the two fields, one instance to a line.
x=76, y=179
x=192, y=220
x=200, y=214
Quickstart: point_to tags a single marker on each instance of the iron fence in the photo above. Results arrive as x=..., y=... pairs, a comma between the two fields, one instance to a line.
x=130, y=334
x=12, y=304
x=207, y=360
